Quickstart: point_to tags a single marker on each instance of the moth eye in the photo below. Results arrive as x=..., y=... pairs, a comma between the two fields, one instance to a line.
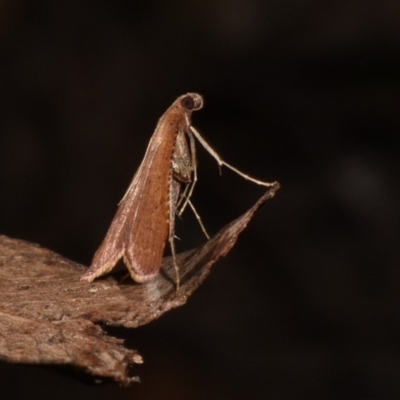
x=187, y=102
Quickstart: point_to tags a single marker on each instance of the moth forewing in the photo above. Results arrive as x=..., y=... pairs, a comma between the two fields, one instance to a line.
x=141, y=226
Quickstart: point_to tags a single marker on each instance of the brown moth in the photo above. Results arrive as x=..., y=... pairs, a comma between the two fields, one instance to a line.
x=145, y=218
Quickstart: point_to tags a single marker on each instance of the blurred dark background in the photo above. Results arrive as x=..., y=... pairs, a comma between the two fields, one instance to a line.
x=307, y=93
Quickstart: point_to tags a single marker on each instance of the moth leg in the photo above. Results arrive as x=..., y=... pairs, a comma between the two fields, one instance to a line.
x=221, y=162
x=199, y=220
x=191, y=185
x=178, y=206
x=175, y=188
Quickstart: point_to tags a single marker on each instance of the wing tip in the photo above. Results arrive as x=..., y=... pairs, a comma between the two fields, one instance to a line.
x=136, y=275
x=96, y=269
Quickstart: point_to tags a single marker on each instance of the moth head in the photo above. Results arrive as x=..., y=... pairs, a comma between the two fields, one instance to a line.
x=191, y=101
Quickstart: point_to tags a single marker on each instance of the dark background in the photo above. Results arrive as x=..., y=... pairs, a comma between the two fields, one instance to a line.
x=306, y=306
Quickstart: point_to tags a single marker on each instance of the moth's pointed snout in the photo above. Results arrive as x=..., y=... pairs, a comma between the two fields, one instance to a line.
x=198, y=101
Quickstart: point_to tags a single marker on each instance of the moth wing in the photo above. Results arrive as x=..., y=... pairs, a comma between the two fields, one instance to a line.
x=140, y=227
x=148, y=228
x=112, y=248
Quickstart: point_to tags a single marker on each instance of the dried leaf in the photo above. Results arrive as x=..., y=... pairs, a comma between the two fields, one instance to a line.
x=49, y=316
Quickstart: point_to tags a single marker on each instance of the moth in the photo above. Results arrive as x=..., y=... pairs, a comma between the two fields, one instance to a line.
x=160, y=189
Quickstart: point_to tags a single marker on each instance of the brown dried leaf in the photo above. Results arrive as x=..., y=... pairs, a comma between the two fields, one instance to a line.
x=49, y=316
